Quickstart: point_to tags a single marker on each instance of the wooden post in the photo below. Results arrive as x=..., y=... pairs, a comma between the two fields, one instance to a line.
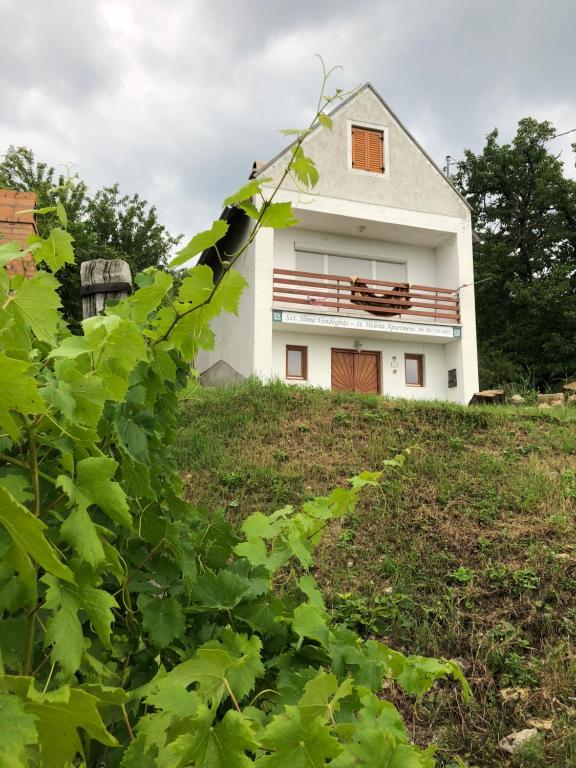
x=101, y=280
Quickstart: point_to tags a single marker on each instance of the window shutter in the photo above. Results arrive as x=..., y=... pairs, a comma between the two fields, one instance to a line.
x=374, y=151
x=309, y=262
x=348, y=266
x=359, y=155
x=389, y=270
x=367, y=149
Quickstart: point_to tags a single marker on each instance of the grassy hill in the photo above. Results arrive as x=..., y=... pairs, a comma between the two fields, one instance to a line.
x=468, y=552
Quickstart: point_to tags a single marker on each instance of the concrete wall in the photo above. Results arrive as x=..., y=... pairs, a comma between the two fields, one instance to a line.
x=411, y=181
x=392, y=384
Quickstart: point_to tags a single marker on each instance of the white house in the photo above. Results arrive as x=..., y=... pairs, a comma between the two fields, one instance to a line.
x=372, y=290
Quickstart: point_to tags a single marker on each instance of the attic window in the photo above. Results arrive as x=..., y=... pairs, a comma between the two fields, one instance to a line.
x=367, y=149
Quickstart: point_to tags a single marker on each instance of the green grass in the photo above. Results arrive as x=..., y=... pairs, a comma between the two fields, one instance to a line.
x=468, y=553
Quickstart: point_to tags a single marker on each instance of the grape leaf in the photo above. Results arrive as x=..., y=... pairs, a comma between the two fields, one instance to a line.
x=60, y=714
x=36, y=303
x=18, y=392
x=59, y=395
x=208, y=668
x=64, y=630
x=56, y=249
x=94, y=486
x=223, y=745
x=381, y=740
x=197, y=286
x=74, y=346
x=322, y=696
x=220, y=591
x=248, y=191
x=417, y=674
x=248, y=666
x=18, y=586
x=98, y=604
x=87, y=391
x=62, y=215
x=310, y=621
x=309, y=586
x=9, y=251
x=18, y=729
x=163, y=619
x=133, y=439
x=200, y=242
x=305, y=169
x=278, y=216
x=298, y=742
x=28, y=533
x=229, y=291
x=122, y=348
x=80, y=532
x=325, y=121
x=148, y=298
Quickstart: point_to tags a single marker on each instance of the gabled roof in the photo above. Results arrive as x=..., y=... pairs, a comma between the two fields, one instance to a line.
x=347, y=100
x=239, y=222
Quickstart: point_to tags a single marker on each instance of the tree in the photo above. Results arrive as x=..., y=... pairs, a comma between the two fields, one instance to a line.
x=105, y=225
x=524, y=210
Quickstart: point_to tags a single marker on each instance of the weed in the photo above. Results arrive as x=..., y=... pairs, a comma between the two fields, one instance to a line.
x=231, y=479
x=532, y=754
x=524, y=579
x=342, y=417
x=499, y=575
x=462, y=575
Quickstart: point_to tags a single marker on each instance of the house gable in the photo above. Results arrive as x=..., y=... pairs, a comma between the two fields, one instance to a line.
x=410, y=180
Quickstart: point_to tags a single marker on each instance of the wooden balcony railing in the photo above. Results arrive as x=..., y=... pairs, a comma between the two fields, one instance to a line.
x=377, y=297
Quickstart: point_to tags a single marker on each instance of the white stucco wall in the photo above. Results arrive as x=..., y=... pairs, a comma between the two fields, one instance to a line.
x=411, y=180
x=392, y=384
x=455, y=268
x=234, y=336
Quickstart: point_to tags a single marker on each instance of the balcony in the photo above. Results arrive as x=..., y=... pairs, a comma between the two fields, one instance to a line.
x=353, y=296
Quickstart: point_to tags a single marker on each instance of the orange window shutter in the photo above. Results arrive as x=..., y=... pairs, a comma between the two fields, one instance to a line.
x=367, y=149
x=375, y=153
x=359, y=148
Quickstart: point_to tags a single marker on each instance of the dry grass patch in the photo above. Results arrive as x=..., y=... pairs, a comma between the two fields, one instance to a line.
x=467, y=553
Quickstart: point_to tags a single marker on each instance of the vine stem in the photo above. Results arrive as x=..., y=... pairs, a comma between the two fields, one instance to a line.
x=34, y=470
x=233, y=258
x=127, y=722
x=22, y=464
x=148, y=557
x=29, y=644
x=236, y=705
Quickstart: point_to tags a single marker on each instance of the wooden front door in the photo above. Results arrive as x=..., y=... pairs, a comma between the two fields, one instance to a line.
x=355, y=371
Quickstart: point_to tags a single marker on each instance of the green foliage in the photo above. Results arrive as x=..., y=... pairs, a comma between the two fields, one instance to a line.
x=104, y=224
x=524, y=210
x=134, y=629
x=200, y=242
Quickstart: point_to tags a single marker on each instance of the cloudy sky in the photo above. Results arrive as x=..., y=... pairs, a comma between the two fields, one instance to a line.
x=174, y=99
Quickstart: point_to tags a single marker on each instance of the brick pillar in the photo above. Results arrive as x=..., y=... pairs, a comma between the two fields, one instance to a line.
x=17, y=227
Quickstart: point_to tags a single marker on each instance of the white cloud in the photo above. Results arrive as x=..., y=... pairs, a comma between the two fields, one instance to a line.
x=175, y=99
